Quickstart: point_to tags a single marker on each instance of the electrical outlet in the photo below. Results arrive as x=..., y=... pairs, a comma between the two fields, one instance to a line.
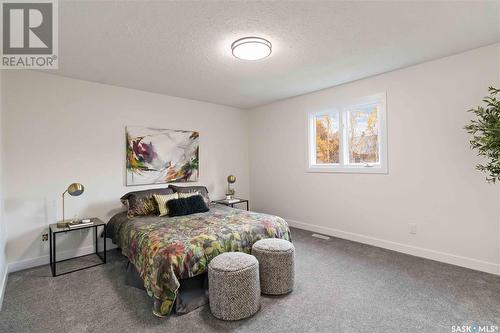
x=412, y=227
x=45, y=237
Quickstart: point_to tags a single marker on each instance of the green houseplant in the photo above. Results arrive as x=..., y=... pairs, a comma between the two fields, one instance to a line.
x=485, y=130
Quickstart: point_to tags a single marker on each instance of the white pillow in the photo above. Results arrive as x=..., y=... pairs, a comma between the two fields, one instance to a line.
x=187, y=195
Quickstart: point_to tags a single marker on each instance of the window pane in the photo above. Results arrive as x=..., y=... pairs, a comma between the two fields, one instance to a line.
x=363, y=135
x=327, y=139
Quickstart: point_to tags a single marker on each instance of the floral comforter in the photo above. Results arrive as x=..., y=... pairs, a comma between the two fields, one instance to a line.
x=167, y=249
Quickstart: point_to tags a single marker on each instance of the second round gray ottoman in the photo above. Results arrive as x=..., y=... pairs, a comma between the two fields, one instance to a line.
x=276, y=265
x=233, y=286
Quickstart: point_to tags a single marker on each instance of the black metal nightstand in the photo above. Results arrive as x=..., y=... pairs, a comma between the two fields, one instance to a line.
x=54, y=230
x=232, y=203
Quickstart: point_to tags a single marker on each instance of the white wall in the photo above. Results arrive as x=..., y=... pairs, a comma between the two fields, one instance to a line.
x=60, y=130
x=3, y=263
x=431, y=181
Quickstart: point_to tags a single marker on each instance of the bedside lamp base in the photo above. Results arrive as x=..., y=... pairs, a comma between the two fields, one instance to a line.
x=62, y=224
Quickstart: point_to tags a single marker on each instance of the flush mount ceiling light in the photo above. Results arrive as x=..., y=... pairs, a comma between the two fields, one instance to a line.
x=251, y=48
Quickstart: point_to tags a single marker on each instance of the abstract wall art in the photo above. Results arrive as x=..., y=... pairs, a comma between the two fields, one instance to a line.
x=157, y=156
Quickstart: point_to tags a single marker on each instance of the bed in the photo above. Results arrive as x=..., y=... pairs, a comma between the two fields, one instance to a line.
x=167, y=250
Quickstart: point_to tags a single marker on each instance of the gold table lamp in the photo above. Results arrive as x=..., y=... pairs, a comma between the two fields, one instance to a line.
x=230, y=191
x=74, y=190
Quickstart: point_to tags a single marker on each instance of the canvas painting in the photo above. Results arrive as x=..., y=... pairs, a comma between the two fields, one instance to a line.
x=157, y=156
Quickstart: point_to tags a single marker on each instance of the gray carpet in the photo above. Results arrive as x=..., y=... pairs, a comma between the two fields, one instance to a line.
x=341, y=286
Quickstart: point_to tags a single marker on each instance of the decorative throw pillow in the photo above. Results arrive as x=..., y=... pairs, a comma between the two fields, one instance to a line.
x=142, y=202
x=202, y=190
x=187, y=195
x=186, y=206
x=162, y=199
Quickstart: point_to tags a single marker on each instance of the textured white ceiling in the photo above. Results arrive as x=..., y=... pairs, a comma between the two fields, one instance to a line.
x=183, y=48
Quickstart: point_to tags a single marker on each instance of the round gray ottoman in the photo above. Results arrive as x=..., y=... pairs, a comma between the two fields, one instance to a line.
x=276, y=265
x=233, y=286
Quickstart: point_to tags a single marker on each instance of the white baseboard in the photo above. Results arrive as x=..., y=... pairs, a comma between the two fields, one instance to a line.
x=3, y=285
x=45, y=259
x=448, y=258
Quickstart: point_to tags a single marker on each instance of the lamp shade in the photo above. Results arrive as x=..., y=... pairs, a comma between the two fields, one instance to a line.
x=75, y=189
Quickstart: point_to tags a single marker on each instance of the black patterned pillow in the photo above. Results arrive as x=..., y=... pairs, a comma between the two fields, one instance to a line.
x=141, y=203
x=186, y=206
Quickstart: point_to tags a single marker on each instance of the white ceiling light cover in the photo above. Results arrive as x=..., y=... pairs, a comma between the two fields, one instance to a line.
x=251, y=48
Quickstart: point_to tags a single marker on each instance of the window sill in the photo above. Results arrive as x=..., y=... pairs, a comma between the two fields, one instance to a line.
x=350, y=169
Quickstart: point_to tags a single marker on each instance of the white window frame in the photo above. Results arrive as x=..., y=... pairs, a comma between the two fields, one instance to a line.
x=343, y=110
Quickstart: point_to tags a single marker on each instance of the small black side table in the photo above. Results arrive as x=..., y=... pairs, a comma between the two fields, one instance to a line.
x=232, y=203
x=54, y=230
